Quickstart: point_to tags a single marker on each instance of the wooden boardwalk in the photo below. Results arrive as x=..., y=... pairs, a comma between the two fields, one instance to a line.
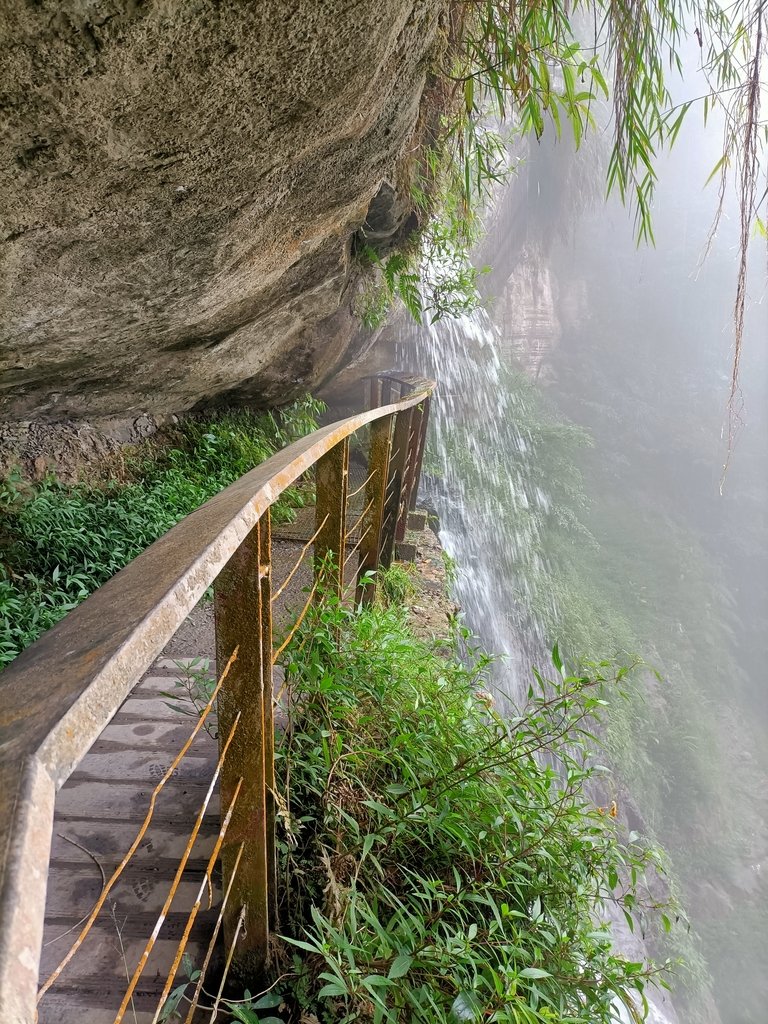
x=101, y=807
x=98, y=813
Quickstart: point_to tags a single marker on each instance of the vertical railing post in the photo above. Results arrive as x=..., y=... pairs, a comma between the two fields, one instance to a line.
x=379, y=452
x=422, y=444
x=413, y=445
x=332, y=486
x=267, y=689
x=242, y=616
x=416, y=445
x=394, y=496
x=374, y=392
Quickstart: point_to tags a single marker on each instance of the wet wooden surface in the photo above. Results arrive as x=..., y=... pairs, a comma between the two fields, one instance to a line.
x=98, y=814
x=101, y=807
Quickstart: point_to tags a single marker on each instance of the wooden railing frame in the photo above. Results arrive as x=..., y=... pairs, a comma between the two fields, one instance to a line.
x=59, y=694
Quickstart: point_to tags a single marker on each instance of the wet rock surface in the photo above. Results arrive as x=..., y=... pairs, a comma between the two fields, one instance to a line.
x=72, y=450
x=432, y=608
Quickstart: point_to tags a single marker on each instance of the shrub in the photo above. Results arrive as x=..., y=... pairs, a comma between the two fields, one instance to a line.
x=441, y=862
x=63, y=542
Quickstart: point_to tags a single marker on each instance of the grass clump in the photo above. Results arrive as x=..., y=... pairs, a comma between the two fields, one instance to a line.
x=61, y=542
x=398, y=583
x=440, y=862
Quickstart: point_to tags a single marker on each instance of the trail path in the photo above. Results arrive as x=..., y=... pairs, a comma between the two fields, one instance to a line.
x=103, y=804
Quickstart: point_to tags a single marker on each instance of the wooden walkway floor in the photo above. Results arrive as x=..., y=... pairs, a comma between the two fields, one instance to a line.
x=100, y=809
x=98, y=813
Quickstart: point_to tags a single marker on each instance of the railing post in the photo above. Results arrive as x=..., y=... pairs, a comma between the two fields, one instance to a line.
x=267, y=670
x=416, y=444
x=332, y=486
x=375, y=491
x=413, y=445
x=394, y=496
x=242, y=615
x=422, y=444
x=374, y=392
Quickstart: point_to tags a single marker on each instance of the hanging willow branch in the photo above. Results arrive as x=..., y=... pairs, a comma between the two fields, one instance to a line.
x=524, y=62
x=746, y=132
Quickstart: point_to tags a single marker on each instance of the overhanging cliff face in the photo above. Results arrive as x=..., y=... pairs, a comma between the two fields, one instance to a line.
x=179, y=186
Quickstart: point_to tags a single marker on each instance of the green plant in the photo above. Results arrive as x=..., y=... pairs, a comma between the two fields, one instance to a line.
x=451, y=567
x=398, y=583
x=374, y=304
x=442, y=863
x=398, y=278
x=196, y=683
x=170, y=1012
x=432, y=275
x=545, y=62
x=13, y=490
x=62, y=542
x=246, y=1010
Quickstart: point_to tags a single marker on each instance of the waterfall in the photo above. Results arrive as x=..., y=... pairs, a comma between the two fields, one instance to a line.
x=489, y=503
x=474, y=486
x=574, y=463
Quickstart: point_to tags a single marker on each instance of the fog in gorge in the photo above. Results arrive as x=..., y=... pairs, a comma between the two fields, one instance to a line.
x=575, y=467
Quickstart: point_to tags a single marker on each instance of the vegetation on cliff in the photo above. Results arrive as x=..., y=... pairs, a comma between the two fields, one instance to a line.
x=511, y=71
x=440, y=862
x=62, y=542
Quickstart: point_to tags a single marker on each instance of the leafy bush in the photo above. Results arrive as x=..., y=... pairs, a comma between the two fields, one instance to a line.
x=63, y=542
x=442, y=863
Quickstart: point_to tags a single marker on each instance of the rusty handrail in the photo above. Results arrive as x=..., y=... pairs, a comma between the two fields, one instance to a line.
x=61, y=692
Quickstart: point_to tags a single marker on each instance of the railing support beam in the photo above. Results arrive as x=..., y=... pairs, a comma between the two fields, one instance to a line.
x=393, y=501
x=415, y=454
x=243, y=620
x=332, y=486
x=379, y=452
x=423, y=410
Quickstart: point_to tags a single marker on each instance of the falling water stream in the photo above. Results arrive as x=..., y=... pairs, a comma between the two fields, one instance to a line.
x=473, y=484
x=479, y=482
x=574, y=467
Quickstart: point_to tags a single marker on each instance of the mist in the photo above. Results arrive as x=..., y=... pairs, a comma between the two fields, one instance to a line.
x=576, y=468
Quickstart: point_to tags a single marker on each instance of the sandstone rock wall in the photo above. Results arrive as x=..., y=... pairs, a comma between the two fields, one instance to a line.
x=180, y=181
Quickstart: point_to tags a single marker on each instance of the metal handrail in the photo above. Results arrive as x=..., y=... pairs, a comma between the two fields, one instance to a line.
x=60, y=694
